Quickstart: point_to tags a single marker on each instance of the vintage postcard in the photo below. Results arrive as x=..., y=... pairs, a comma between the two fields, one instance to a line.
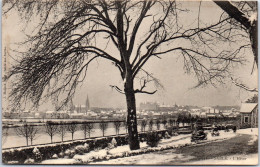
x=129, y=82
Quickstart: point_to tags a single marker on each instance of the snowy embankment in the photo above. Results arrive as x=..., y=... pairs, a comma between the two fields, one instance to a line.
x=238, y=159
x=106, y=156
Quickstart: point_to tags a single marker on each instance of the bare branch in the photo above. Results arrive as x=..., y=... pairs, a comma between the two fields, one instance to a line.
x=117, y=89
x=146, y=92
x=243, y=86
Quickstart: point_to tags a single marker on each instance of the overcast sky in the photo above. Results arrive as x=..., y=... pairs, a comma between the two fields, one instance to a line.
x=169, y=70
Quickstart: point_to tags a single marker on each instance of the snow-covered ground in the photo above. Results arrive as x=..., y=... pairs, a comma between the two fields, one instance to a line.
x=250, y=131
x=146, y=159
x=121, y=151
x=64, y=161
x=253, y=132
x=238, y=159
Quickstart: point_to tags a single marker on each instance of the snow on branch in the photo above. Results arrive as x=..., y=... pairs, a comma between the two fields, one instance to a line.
x=243, y=86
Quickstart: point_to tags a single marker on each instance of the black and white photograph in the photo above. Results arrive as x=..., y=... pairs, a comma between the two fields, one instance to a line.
x=129, y=82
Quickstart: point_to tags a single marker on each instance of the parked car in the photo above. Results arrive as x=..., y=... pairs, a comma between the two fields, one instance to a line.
x=215, y=132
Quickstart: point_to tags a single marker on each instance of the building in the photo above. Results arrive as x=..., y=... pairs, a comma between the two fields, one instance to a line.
x=166, y=108
x=50, y=114
x=249, y=115
x=149, y=106
x=76, y=115
x=62, y=114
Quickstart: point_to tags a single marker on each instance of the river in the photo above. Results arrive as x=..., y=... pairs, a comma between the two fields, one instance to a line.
x=11, y=139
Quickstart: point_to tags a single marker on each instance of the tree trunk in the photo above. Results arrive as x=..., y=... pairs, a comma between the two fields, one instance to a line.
x=51, y=139
x=253, y=38
x=27, y=141
x=131, y=114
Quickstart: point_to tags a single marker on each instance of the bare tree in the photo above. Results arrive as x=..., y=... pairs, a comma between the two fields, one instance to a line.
x=253, y=99
x=103, y=127
x=143, y=124
x=84, y=129
x=244, y=17
x=158, y=124
x=72, y=128
x=151, y=125
x=62, y=129
x=239, y=83
x=27, y=131
x=23, y=131
x=164, y=122
x=62, y=49
x=4, y=134
x=33, y=130
x=117, y=125
x=51, y=129
x=87, y=128
x=125, y=125
x=90, y=127
x=171, y=121
x=245, y=13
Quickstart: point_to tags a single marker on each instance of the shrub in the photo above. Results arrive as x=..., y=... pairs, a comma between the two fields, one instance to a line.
x=55, y=156
x=67, y=152
x=70, y=153
x=61, y=154
x=153, y=139
x=80, y=149
x=78, y=161
x=142, y=139
x=29, y=161
x=87, y=148
x=167, y=136
x=113, y=142
x=37, y=154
